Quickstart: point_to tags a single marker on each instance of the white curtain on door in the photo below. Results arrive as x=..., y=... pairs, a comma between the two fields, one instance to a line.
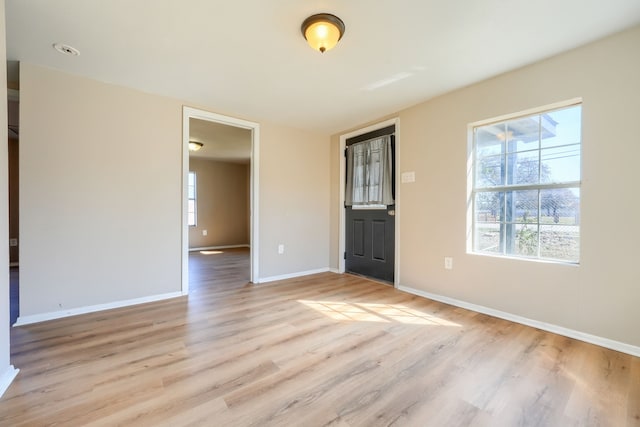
x=369, y=173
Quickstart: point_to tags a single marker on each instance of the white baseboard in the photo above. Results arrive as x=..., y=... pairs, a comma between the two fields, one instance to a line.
x=571, y=333
x=7, y=378
x=214, y=248
x=335, y=270
x=292, y=275
x=43, y=317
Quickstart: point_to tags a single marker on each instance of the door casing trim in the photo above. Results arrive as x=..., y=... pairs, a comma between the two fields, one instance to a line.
x=194, y=113
x=341, y=241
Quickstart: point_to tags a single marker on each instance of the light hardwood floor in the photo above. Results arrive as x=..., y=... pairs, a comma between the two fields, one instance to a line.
x=323, y=350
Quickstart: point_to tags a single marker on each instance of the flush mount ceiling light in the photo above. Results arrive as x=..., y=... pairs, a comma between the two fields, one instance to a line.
x=65, y=49
x=322, y=31
x=195, y=146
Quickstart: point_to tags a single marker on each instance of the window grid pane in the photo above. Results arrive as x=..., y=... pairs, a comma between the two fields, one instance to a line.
x=191, y=202
x=539, y=155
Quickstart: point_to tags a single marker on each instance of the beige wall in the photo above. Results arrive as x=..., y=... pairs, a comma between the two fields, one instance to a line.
x=222, y=203
x=100, y=193
x=600, y=296
x=294, y=200
x=100, y=188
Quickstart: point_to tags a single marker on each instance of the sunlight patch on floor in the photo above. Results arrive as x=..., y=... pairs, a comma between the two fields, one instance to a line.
x=211, y=252
x=371, y=312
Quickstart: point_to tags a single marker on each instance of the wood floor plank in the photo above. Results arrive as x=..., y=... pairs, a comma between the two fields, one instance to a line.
x=321, y=350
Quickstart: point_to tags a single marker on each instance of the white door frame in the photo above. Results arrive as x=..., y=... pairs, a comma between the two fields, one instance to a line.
x=343, y=167
x=194, y=113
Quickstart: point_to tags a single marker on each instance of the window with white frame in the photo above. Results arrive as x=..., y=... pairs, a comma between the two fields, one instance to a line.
x=525, y=194
x=191, y=199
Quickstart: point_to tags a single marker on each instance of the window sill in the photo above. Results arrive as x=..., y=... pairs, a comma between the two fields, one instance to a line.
x=536, y=260
x=368, y=207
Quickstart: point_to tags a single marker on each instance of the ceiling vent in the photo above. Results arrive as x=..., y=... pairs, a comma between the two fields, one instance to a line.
x=65, y=49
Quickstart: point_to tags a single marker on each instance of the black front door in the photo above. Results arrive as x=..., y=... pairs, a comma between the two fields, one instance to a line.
x=370, y=242
x=370, y=233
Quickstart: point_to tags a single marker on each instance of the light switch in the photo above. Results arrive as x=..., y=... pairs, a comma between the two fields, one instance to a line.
x=408, y=177
x=204, y=232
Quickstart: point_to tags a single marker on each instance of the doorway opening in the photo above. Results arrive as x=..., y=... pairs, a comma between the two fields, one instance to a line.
x=13, y=118
x=368, y=224
x=220, y=192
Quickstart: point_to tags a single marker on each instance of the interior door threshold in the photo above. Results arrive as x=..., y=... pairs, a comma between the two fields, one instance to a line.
x=373, y=279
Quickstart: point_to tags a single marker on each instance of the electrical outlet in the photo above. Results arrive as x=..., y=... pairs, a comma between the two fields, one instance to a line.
x=13, y=242
x=280, y=249
x=448, y=263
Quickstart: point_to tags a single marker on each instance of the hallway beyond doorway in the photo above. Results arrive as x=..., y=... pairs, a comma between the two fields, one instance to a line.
x=218, y=267
x=14, y=295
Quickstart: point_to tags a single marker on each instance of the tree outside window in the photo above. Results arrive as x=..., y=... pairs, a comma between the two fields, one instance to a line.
x=526, y=186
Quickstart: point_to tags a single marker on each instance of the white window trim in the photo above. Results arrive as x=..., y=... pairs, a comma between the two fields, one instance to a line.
x=471, y=190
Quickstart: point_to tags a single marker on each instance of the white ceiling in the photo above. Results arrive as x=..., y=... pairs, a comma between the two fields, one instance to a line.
x=221, y=142
x=249, y=59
